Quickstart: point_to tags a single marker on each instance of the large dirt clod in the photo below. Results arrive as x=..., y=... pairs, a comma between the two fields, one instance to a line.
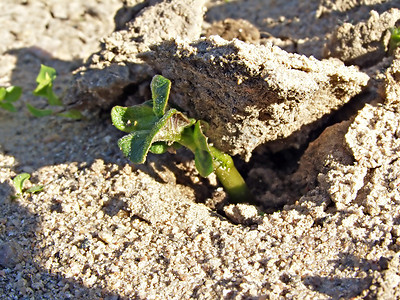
x=116, y=66
x=252, y=94
x=365, y=43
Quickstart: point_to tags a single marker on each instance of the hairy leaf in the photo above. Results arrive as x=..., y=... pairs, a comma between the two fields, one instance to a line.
x=137, y=144
x=160, y=87
x=138, y=117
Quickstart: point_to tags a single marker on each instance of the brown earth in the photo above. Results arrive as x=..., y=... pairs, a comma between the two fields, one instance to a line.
x=305, y=91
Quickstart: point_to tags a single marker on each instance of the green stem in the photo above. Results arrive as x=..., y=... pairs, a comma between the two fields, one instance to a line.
x=230, y=177
x=225, y=170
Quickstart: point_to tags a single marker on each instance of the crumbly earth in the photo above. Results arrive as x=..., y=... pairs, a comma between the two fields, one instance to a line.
x=327, y=221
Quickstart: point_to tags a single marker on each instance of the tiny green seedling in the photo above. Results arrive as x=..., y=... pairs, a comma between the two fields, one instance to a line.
x=44, y=89
x=394, y=39
x=8, y=96
x=155, y=127
x=18, y=182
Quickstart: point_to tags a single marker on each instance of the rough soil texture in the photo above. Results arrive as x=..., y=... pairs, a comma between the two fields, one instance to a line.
x=324, y=164
x=252, y=94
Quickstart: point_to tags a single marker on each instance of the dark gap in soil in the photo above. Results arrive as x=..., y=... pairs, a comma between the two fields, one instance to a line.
x=269, y=174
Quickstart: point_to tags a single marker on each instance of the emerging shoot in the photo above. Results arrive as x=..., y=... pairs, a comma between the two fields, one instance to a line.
x=19, y=181
x=394, y=39
x=8, y=96
x=155, y=127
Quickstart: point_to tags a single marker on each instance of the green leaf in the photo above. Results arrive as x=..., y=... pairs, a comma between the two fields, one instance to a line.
x=202, y=157
x=13, y=93
x=150, y=128
x=38, y=112
x=159, y=147
x=73, y=114
x=8, y=106
x=44, y=88
x=160, y=88
x=19, y=180
x=35, y=189
x=8, y=96
x=47, y=92
x=137, y=144
x=138, y=117
x=46, y=75
x=2, y=93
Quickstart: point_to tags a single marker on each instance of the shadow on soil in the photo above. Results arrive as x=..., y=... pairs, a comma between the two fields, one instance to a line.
x=344, y=288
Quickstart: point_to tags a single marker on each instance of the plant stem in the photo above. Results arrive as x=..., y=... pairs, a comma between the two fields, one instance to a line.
x=230, y=177
x=225, y=170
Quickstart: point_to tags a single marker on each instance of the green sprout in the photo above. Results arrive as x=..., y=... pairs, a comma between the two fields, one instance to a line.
x=8, y=96
x=155, y=127
x=394, y=39
x=44, y=89
x=18, y=182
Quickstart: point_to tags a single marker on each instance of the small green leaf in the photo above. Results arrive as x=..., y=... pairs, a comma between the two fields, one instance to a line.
x=2, y=93
x=46, y=75
x=44, y=88
x=138, y=117
x=202, y=157
x=38, y=112
x=35, y=189
x=160, y=88
x=13, y=93
x=19, y=180
x=8, y=106
x=159, y=147
x=73, y=114
x=203, y=161
x=8, y=96
x=394, y=39
x=137, y=144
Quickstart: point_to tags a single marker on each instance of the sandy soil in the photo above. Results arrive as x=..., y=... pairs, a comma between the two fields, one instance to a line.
x=327, y=221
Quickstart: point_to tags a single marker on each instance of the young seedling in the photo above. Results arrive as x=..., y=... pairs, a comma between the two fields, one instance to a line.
x=394, y=39
x=8, y=96
x=155, y=127
x=44, y=89
x=18, y=182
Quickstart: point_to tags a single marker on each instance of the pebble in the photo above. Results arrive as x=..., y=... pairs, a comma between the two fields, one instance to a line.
x=10, y=254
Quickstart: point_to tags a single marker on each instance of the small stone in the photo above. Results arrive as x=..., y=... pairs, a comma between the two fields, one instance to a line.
x=106, y=236
x=10, y=254
x=242, y=213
